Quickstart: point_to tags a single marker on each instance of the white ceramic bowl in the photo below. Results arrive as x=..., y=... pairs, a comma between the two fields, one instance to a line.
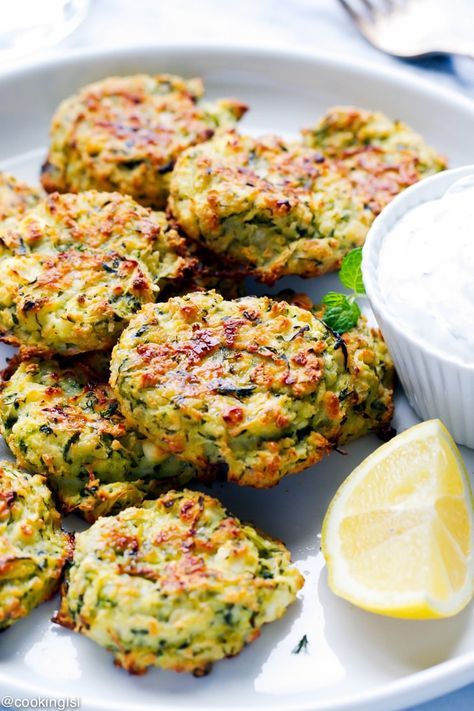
x=436, y=384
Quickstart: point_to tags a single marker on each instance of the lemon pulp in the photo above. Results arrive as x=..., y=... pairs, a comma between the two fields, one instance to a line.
x=398, y=535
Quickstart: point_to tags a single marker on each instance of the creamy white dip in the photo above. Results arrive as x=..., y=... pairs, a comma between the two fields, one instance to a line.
x=426, y=271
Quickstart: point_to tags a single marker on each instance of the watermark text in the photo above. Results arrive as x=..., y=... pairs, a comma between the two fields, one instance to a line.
x=61, y=703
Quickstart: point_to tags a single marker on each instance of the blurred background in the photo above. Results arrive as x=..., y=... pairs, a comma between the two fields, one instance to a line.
x=31, y=29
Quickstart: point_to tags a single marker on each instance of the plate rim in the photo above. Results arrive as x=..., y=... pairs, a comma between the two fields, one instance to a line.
x=339, y=61
x=413, y=688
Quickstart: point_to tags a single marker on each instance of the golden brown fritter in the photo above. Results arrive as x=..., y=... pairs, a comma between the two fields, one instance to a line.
x=69, y=302
x=109, y=222
x=33, y=548
x=179, y=583
x=379, y=156
x=277, y=208
x=76, y=267
x=271, y=207
x=125, y=134
x=16, y=198
x=250, y=390
x=61, y=419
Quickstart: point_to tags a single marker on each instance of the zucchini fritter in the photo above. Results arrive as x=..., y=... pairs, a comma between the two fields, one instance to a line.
x=178, y=584
x=125, y=134
x=271, y=207
x=69, y=302
x=108, y=222
x=77, y=267
x=379, y=156
x=33, y=548
x=280, y=208
x=61, y=419
x=250, y=390
x=16, y=198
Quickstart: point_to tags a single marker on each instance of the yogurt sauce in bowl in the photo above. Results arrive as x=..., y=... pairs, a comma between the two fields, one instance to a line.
x=426, y=272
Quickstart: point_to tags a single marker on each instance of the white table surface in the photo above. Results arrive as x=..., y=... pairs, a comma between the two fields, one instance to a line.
x=303, y=24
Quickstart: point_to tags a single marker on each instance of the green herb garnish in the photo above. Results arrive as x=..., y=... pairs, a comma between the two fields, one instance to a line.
x=342, y=311
x=302, y=645
x=350, y=274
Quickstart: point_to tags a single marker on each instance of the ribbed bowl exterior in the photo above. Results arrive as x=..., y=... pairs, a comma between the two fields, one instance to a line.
x=435, y=385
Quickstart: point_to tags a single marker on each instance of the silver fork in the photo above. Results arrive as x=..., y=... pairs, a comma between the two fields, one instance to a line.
x=411, y=28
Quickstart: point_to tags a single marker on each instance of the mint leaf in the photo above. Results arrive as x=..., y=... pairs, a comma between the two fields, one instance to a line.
x=341, y=313
x=350, y=274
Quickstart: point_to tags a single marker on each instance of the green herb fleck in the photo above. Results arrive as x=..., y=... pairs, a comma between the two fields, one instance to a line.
x=302, y=645
x=68, y=446
x=10, y=421
x=110, y=410
x=227, y=389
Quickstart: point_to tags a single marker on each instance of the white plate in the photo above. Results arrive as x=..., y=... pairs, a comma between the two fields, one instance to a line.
x=354, y=660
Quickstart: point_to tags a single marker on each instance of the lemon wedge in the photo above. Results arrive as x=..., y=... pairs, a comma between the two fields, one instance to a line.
x=398, y=535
